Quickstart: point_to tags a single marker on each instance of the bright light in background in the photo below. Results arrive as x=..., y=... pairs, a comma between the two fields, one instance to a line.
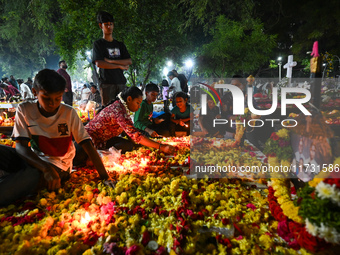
x=169, y=63
x=88, y=53
x=189, y=63
x=165, y=71
x=279, y=58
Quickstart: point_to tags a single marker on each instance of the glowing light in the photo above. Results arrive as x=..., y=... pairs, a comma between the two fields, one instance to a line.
x=169, y=63
x=165, y=71
x=143, y=162
x=85, y=220
x=189, y=63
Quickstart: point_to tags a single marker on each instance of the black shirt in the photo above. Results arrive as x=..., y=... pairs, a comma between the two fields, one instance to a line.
x=114, y=50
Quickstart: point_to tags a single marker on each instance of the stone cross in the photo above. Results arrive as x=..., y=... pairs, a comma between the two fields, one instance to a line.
x=289, y=66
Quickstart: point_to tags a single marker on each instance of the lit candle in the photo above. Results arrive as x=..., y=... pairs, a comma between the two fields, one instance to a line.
x=86, y=219
x=5, y=114
x=88, y=114
x=81, y=115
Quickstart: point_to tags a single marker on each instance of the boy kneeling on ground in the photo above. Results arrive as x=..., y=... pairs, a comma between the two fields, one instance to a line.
x=49, y=126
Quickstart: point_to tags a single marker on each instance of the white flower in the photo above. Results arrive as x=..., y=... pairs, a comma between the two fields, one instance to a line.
x=325, y=190
x=329, y=234
x=311, y=229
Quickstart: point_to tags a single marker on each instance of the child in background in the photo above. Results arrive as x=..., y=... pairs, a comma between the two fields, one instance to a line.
x=112, y=120
x=143, y=117
x=181, y=115
x=49, y=126
x=206, y=122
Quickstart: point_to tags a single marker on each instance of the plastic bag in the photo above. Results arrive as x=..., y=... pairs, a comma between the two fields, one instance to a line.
x=110, y=156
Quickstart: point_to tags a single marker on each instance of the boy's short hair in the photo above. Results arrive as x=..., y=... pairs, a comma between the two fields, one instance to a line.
x=152, y=87
x=182, y=95
x=171, y=73
x=93, y=86
x=103, y=17
x=50, y=81
x=61, y=61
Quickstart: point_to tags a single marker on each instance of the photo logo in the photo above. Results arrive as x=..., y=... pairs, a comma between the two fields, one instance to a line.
x=239, y=98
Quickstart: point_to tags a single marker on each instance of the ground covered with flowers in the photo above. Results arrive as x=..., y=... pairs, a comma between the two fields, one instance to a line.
x=153, y=209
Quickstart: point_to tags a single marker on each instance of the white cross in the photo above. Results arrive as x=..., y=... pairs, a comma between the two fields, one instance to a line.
x=289, y=66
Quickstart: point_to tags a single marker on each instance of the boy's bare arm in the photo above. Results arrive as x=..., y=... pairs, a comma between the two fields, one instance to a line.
x=95, y=158
x=50, y=174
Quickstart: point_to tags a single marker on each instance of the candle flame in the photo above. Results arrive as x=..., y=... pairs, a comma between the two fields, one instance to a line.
x=143, y=162
x=86, y=219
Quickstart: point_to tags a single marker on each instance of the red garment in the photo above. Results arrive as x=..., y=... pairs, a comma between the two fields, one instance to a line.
x=63, y=73
x=11, y=90
x=111, y=122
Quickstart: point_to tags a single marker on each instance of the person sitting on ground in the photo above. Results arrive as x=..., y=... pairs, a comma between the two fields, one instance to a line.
x=26, y=93
x=10, y=90
x=14, y=82
x=85, y=93
x=112, y=120
x=44, y=151
x=206, y=122
x=95, y=96
x=181, y=115
x=143, y=117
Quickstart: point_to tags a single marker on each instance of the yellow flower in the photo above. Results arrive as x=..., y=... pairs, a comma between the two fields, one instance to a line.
x=283, y=133
x=266, y=241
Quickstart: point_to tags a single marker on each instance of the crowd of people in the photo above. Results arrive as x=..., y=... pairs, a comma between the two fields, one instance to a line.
x=51, y=139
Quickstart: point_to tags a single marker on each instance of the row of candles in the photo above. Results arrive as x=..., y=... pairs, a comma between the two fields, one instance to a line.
x=82, y=113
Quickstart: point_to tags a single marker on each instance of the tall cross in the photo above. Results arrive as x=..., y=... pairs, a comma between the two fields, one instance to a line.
x=289, y=66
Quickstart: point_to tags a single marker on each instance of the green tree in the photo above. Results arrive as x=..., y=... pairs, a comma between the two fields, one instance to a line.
x=149, y=29
x=25, y=35
x=236, y=47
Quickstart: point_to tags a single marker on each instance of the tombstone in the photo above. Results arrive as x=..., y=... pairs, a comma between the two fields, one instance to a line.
x=289, y=66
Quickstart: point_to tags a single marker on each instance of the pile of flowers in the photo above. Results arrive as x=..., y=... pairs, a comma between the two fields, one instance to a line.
x=213, y=152
x=278, y=146
x=7, y=122
x=159, y=211
x=5, y=140
x=319, y=206
x=301, y=217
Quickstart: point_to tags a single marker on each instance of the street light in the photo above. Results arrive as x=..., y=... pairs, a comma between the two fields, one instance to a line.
x=280, y=63
x=169, y=63
x=189, y=63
